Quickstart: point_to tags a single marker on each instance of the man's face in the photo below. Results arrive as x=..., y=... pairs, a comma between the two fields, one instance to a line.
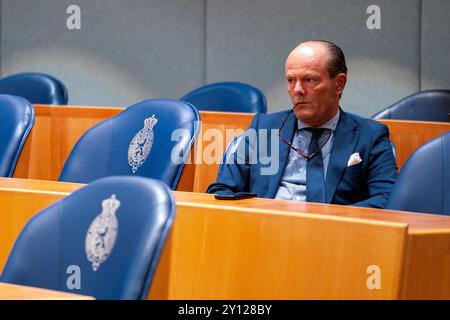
x=314, y=96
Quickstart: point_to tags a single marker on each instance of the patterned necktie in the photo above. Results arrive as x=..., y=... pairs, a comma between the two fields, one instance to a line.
x=315, y=181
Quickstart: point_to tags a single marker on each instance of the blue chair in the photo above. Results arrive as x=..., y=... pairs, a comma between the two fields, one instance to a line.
x=152, y=139
x=430, y=105
x=423, y=184
x=228, y=97
x=104, y=240
x=16, y=121
x=35, y=87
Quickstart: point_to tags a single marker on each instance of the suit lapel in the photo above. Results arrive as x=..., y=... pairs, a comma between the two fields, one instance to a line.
x=283, y=151
x=344, y=144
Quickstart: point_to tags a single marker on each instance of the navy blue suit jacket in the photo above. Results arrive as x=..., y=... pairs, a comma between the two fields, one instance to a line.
x=368, y=183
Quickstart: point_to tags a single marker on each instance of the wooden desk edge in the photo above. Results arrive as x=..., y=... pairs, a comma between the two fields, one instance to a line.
x=192, y=199
x=10, y=291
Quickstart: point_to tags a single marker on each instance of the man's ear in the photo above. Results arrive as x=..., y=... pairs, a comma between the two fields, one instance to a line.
x=341, y=80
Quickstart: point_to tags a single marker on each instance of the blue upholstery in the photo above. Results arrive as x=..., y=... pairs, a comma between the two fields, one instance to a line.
x=104, y=149
x=228, y=97
x=35, y=87
x=56, y=240
x=16, y=121
x=431, y=105
x=423, y=184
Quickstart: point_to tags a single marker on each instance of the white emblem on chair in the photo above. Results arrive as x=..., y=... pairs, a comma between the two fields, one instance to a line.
x=102, y=233
x=141, y=144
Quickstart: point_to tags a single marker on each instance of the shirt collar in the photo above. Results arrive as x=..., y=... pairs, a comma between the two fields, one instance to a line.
x=330, y=124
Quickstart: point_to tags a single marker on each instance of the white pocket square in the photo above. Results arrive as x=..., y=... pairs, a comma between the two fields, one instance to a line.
x=354, y=159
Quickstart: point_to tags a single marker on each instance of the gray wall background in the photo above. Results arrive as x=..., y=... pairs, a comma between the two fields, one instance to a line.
x=128, y=51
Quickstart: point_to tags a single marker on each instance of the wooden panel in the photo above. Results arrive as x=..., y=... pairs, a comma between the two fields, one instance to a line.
x=18, y=204
x=218, y=129
x=224, y=253
x=407, y=136
x=427, y=274
x=16, y=292
x=58, y=128
x=263, y=248
x=55, y=132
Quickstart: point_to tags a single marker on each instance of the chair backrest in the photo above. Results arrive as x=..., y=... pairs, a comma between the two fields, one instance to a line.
x=423, y=184
x=16, y=121
x=228, y=97
x=35, y=87
x=430, y=105
x=150, y=139
x=104, y=240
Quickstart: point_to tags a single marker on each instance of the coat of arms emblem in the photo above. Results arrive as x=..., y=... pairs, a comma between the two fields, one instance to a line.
x=141, y=144
x=102, y=233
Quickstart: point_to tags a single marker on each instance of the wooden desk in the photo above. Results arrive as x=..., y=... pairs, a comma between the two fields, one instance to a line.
x=58, y=128
x=271, y=249
x=16, y=292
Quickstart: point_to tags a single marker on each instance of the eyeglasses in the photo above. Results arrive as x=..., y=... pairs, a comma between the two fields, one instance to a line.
x=309, y=156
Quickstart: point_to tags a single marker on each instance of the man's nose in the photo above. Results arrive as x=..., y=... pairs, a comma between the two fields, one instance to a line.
x=298, y=89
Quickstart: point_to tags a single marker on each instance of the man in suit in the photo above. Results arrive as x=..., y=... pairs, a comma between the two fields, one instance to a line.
x=319, y=153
